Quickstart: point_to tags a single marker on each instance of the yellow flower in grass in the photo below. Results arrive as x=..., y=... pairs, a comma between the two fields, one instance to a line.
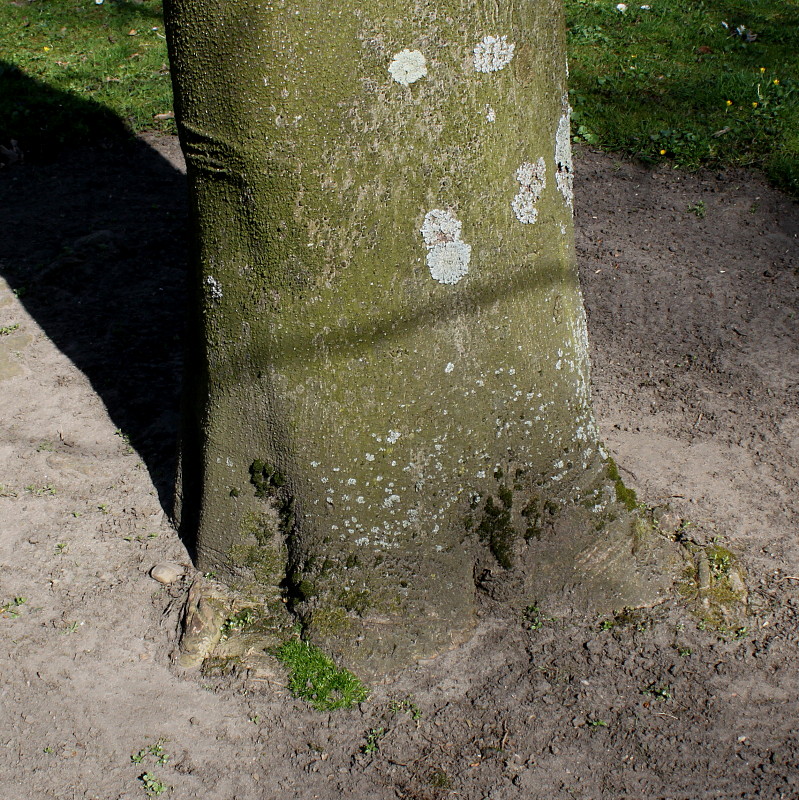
x=663, y=152
x=776, y=81
x=754, y=105
x=729, y=102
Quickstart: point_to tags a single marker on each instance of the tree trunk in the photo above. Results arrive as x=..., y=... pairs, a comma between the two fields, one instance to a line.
x=389, y=390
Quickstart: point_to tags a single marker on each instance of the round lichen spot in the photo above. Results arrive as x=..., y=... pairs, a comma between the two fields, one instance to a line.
x=449, y=262
x=440, y=226
x=407, y=67
x=493, y=53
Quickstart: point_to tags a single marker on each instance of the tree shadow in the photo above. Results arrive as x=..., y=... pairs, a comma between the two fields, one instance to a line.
x=95, y=248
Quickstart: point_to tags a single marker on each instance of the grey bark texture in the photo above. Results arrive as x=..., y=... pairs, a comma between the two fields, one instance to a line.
x=388, y=395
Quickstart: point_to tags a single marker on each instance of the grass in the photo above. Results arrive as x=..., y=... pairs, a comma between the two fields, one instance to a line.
x=315, y=678
x=671, y=84
x=74, y=71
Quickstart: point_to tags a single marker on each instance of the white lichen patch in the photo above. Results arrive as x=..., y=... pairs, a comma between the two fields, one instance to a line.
x=564, y=169
x=450, y=366
x=532, y=181
x=447, y=255
x=493, y=54
x=491, y=115
x=440, y=227
x=393, y=436
x=407, y=67
x=449, y=262
x=214, y=287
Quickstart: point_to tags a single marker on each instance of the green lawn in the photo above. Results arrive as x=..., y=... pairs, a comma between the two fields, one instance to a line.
x=662, y=81
x=66, y=63
x=671, y=82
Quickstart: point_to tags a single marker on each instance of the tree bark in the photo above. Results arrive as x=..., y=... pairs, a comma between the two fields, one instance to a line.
x=388, y=391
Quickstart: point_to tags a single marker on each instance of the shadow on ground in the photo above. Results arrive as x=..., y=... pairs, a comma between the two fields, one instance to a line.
x=94, y=246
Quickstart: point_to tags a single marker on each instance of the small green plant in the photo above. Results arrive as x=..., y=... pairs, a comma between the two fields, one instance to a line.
x=439, y=779
x=49, y=750
x=720, y=560
x=698, y=209
x=406, y=706
x=238, y=622
x=72, y=627
x=4, y=331
x=103, y=508
x=61, y=548
x=316, y=679
x=597, y=723
x=7, y=491
x=125, y=439
x=372, y=743
x=41, y=491
x=684, y=652
x=627, y=617
x=658, y=692
x=153, y=787
x=11, y=608
x=155, y=751
x=140, y=538
x=534, y=620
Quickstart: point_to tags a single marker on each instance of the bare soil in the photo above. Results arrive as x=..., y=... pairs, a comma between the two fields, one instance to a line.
x=693, y=319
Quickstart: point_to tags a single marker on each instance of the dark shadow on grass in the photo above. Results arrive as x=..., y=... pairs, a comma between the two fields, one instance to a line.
x=94, y=245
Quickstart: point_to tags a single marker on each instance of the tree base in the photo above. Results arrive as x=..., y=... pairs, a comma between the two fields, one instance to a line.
x=627, y=564
x=572, y=569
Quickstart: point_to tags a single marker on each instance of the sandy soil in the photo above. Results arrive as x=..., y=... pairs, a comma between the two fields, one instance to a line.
x=696, y=367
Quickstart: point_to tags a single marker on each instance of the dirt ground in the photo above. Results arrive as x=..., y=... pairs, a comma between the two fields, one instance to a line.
x=693, y=319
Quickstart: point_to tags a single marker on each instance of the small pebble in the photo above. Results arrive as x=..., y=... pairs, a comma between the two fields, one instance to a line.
x=166, y=573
